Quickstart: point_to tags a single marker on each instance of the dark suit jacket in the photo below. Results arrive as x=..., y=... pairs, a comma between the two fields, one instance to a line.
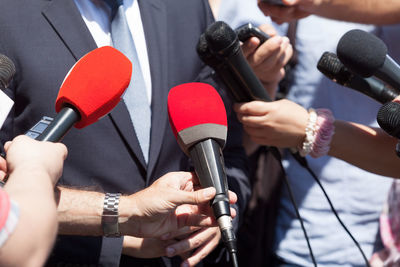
x=44, y=38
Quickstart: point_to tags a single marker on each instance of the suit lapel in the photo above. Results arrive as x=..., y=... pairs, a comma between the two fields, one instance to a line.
x=154, y=17
x=71, y=29
x=78, y=39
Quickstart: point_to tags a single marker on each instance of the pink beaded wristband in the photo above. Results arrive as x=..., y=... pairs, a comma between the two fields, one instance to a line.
x=323, y=134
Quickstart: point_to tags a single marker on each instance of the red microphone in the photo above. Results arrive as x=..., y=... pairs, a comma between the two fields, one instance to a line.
x=91, y=89
x=197, y=117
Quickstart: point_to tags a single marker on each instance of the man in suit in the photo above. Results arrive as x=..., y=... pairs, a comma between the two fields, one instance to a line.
x=44, y=39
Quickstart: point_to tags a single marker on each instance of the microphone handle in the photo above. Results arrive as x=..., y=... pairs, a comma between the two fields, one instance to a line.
x=61, y=124
x=371, y=87
x=241, y=69
x=209, y=166
x=390, y=73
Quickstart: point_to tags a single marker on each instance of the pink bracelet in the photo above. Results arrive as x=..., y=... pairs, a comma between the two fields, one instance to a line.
x=323, y=134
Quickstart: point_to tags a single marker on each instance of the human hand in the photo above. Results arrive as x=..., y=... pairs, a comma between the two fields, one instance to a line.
x=292, y=9
x=193, y=244
x=268, y=59
x=30, y=156
x=145, y=247
x=280, y=123
x=171, y=202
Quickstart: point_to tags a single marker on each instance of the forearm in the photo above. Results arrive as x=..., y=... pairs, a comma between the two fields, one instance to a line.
x=367, y=11
x=80, y=213
x=367, y=148
x=36, y=230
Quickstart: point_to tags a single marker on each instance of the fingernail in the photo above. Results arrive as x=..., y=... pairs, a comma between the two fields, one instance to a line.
x=208, y=192
x=170, y=252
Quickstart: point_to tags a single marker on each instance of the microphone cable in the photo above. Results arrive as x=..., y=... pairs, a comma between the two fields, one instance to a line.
x=275, y=152
x=303, y=162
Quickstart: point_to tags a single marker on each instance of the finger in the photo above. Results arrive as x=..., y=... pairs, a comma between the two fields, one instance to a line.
x=232, y=197
x=193, y=241
x=195, y=220
x=267, y=53
x=250, y=46
x=197, y=197
x=180, y=232
x=202, y=252
x=255, y=108
x=268, y=29
x=253, y=121
x=7, y=145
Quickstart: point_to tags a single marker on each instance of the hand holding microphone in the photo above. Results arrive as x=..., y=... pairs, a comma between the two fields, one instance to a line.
x=198, y=119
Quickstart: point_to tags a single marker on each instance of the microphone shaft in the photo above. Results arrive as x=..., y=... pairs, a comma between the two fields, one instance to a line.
x=209, y=166
x=61, y=124
x=245, y=74
x=390, y=73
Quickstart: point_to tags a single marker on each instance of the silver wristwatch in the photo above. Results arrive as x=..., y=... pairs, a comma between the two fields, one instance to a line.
x=109, y=219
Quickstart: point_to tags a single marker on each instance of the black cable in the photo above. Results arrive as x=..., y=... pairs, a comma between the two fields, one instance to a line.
x=303, y=162
x=277, y=155
x=234, y=259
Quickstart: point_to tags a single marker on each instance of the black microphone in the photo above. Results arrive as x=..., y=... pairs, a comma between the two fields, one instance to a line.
x=389, y=120
x=7, y=71
x=221, y=69
x=366, y=55
x=223, y=42
x=330, y=65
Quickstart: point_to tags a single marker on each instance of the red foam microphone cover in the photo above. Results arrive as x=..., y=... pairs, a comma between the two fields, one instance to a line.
x=95, y=84
x=196, y=112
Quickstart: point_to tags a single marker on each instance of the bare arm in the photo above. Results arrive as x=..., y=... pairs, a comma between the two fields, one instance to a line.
x=33, y=168
x=282, y=123
x=368, y=11
x=368, y=148
x=170, y=203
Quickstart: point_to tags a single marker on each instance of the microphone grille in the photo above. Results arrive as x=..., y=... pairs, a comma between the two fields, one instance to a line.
x=7, y=71
x=362, y=52
x=389, y=118
x=204, y=52
x=330, y=65
x=221, y=38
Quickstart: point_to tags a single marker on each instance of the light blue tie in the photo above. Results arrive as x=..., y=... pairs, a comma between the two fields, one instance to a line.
x=135, y=96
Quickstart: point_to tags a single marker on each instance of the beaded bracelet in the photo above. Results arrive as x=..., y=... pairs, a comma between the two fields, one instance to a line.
x=307, y=145
x=319, y=132
x=323, y=134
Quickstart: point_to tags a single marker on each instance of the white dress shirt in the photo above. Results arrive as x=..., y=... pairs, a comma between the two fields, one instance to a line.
x=96, y=15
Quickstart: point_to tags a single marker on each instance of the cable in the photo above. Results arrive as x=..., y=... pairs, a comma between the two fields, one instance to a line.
x=277, y=155
x=303, y=162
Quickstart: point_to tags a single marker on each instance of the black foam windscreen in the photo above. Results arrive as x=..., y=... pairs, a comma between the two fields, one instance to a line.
x=205, y=54
x=330, y=65
x=389, y=118
x=222, y=39
x=362, y=52
x=7, y=71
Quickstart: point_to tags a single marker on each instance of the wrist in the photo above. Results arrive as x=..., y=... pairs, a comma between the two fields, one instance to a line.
x=318, y=133
x=129, y=215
